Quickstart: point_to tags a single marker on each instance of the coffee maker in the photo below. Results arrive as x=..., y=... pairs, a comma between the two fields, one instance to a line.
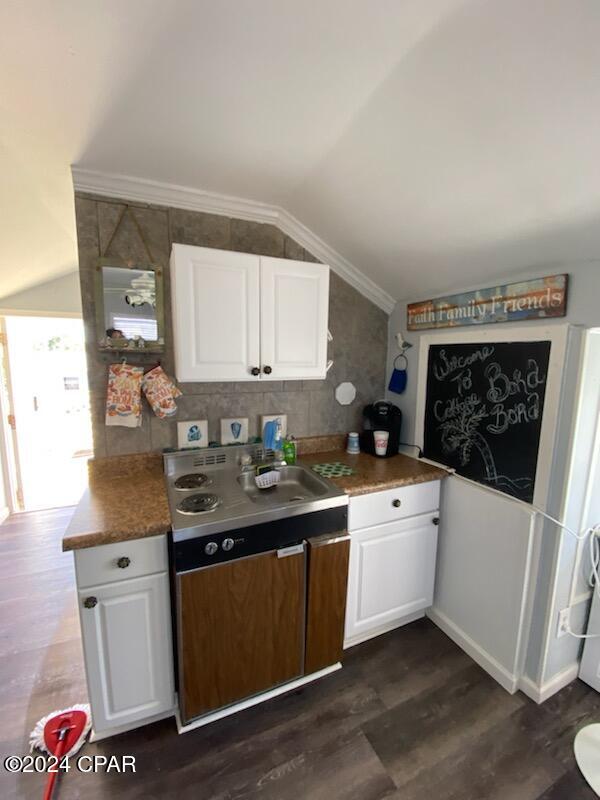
x=381, y=416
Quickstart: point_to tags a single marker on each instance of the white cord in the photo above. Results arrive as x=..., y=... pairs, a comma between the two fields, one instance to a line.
x=594, y=580
x=578, y=536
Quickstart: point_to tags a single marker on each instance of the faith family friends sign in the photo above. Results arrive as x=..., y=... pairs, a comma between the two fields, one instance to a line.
x=536, y=299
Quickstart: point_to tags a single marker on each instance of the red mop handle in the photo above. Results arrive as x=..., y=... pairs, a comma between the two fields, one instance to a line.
x=60, y=746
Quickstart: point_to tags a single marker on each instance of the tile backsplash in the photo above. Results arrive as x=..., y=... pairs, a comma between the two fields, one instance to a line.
x=358, y=327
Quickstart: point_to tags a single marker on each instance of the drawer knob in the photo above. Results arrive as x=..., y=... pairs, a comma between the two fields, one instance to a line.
x=396, y=503
x=123, y=562
x=90, y=602
x=436, y=520
x=267, y=370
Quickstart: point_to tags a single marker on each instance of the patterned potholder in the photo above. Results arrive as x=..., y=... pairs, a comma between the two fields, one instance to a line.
x=333, y=470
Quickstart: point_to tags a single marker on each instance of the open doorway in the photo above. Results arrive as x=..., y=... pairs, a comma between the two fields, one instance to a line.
x=47, y=403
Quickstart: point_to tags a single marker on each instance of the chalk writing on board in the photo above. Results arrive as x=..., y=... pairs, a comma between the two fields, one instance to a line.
x=484, y=406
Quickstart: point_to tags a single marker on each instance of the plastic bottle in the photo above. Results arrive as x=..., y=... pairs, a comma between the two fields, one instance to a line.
x=289, y=450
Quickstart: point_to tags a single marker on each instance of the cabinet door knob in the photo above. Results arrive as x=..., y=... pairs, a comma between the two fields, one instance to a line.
x=90, y=602
x=436, y=520
x=396, y=503
x=123, y=562
x=267, y=370
x=255, y=371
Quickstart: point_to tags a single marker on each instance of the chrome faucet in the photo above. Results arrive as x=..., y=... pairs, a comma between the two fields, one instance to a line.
x=248, y=464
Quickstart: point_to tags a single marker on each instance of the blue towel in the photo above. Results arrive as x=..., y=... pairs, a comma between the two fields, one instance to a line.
x=397, y=381
x=269, y=435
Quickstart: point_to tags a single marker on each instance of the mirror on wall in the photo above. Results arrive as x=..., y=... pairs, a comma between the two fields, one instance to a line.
x=129, y=307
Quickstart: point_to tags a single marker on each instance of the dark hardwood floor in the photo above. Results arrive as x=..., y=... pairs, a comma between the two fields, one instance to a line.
x=410, y=717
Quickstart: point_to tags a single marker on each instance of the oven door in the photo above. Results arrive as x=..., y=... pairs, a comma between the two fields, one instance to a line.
x=241, y=628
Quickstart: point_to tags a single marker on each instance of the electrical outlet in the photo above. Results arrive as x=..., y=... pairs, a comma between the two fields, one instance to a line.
x=563, y=622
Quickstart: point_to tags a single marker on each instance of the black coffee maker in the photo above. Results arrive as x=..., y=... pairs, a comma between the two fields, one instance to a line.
x=381, y=416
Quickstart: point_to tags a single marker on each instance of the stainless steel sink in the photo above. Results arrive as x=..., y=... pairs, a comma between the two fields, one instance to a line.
x=297, y=484
x=242, y=504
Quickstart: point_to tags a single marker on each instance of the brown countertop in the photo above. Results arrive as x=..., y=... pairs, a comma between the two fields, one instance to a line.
x=372, y=474
x=127, y=497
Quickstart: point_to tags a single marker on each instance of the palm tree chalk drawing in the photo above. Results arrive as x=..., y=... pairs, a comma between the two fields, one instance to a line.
x=483, y=411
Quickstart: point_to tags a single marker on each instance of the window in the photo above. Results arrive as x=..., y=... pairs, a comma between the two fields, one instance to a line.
x=131, y=327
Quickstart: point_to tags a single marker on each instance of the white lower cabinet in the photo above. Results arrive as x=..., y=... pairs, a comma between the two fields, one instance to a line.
x=126, y=631
x=391, y=574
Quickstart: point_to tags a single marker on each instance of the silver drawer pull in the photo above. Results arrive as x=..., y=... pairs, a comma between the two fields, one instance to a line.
x=396, y=503
x=290, y=551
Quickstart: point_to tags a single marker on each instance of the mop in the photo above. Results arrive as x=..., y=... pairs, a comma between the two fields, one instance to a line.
x=61, y=734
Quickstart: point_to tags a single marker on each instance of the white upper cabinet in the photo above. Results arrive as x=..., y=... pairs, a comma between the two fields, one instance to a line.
x=293, y=322
x=216, y=314
x=241, y=317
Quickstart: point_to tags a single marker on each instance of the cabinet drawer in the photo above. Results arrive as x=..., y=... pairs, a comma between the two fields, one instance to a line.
x=98, y=565
x=376, y=508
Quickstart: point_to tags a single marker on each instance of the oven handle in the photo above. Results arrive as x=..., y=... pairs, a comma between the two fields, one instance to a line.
x=284, y=552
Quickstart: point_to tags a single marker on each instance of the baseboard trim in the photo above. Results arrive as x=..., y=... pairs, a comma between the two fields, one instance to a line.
x=352, y=641
x=96, y=736
x=487, y=662
x=541, y=693
x=253, y=701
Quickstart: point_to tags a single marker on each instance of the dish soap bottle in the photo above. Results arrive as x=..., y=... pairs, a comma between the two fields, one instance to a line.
x=289, y=450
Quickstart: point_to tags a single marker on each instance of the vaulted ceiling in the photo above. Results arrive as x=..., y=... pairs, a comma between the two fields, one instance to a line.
x=433, y=143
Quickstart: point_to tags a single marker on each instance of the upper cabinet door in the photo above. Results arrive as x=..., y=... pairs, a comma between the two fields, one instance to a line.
x=216, y=305
x=294, y=312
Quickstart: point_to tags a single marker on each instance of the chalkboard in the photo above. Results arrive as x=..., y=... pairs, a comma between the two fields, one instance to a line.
x=483, y=411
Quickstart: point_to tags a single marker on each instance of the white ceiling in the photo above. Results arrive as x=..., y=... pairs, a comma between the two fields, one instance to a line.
x=434, y=143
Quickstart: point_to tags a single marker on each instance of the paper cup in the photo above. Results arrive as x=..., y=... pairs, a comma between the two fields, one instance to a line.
x=381, y=442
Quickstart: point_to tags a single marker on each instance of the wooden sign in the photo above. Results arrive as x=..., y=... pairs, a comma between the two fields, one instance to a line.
x=540, y=298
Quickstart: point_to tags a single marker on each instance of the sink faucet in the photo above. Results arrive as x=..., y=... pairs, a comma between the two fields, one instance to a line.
x=248, y=464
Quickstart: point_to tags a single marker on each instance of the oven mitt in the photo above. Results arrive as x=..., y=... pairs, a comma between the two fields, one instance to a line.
x=160, y=392
x=123, y=396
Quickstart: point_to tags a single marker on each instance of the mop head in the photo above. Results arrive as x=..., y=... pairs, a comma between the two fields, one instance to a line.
x=37, y=737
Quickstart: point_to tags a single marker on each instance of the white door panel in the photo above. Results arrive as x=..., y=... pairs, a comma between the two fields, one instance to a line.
x=391, y=573
x=294, y=315
x=215, y=314
x=127, y=645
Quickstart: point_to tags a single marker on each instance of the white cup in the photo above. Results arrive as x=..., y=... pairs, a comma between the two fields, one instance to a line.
x=381, y=442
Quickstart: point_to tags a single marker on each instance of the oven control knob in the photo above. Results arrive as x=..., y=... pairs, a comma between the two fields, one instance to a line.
x=227, y=544
x=211, y=548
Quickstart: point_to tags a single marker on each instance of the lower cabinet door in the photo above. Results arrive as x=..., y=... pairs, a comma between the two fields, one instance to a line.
x=241, y=629
x=126, y=629
x=326, y=606
x=391, y=575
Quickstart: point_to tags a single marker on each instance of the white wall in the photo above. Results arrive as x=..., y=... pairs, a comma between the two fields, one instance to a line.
x=547, y=656
x=582, y=309
x=60, y=296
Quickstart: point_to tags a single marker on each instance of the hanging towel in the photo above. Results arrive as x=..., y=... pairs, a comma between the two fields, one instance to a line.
x=160, y=392
x=123, y=396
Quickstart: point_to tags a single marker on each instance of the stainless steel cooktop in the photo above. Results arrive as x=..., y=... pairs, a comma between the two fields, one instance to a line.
x=210, y=493
x=195, y=480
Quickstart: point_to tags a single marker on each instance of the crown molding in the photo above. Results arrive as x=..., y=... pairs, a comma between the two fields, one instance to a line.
x=142, y=190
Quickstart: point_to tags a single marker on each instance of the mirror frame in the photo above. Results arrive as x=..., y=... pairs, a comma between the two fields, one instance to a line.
x=122, y=345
